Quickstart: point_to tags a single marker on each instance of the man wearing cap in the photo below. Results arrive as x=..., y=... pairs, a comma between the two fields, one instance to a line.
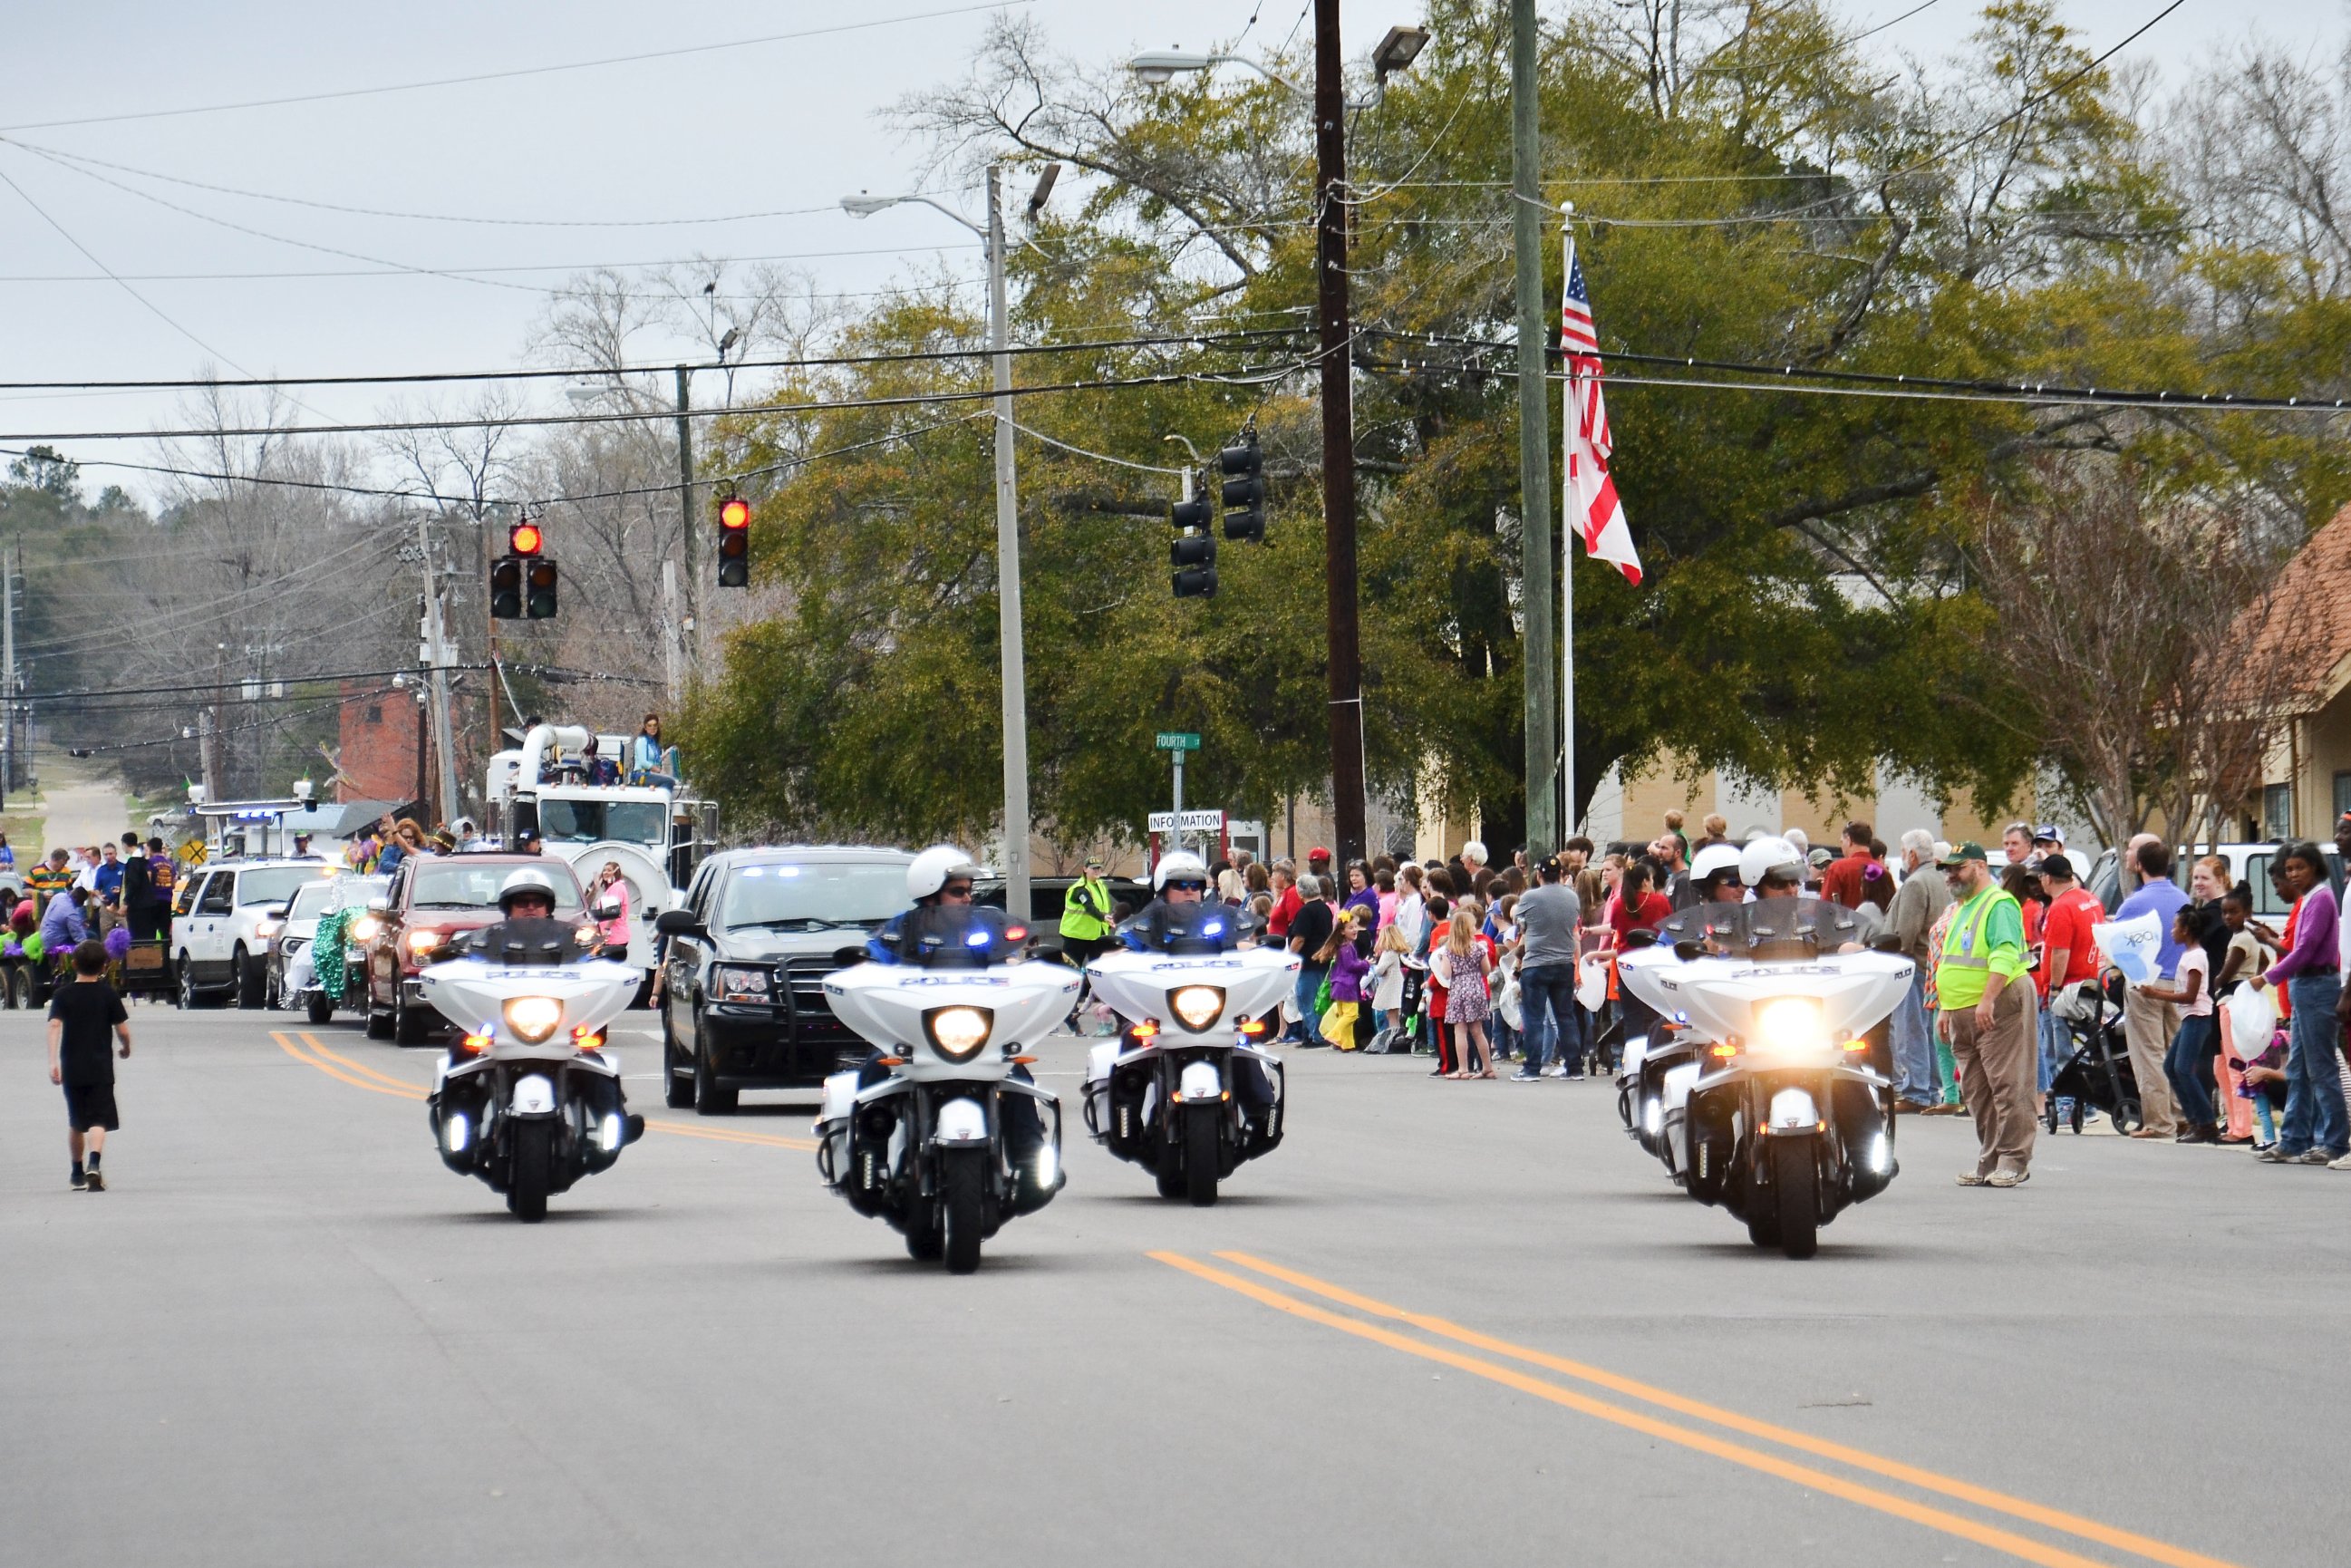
x=2048, y=838
x=1087, y=915
x=2069, y=953
x=1987, y=1015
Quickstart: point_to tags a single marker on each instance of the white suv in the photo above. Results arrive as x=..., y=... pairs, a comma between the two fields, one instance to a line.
x=224, y=921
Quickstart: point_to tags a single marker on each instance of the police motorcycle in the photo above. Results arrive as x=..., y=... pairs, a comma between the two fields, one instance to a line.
x=1659, y=1056
x=1780, y=1114
x=529, y=1100
x=1189, y=1090
x=942, y=1134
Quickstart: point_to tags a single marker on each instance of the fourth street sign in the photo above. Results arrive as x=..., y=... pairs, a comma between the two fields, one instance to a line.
x=1178, y=740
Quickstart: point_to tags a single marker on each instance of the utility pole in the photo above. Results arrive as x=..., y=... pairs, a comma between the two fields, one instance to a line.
x=1007, y=572
x=686, y=500
x=1346, y=672
x=208, y=741
x=436, y=659
x=673, y=633
x=8, y=673
x=1534, y=432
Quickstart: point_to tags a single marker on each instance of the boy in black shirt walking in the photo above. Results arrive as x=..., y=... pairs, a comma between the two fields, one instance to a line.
x=81, y=1016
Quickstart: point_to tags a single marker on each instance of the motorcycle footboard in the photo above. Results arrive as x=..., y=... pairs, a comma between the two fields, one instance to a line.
x=1029, y=1193
x=1265, y=1137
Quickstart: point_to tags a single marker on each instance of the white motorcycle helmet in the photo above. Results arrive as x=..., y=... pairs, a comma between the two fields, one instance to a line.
x=1767, y=855
x=526, y=879
x=1176, y=864
x=1712, y=862
x=933, y=868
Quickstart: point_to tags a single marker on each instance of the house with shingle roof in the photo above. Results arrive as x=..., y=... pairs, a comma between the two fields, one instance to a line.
x=2307, y=781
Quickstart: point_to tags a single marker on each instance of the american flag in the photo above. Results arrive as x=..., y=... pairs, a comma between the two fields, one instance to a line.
x=1593, y=512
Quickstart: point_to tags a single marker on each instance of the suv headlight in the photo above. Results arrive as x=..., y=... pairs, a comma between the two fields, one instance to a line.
x=1790, y=1024
x=533, y=1018
x=740, y=985
x=1198, y=1008
x=958, y=1032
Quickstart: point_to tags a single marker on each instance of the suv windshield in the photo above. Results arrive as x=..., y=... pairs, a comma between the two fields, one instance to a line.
x=311, y=902
x=277, y=884
x=814, y=896
x=469, y=883
x=564, y=821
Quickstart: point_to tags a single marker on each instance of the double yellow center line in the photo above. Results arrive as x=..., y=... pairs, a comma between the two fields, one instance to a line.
x=1743, y=1454
x=313, y=1053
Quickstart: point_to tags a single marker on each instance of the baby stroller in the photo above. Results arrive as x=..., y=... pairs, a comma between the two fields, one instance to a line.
x=2097, y=1074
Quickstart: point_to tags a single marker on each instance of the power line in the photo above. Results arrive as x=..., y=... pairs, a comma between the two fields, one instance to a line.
x=1245, y=376
x=465, y=273
x=1890, y=383
x=510, y=75
x=1203, y=339
x=59, y=153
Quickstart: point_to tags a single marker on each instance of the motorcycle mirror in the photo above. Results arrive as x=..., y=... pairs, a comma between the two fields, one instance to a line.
x=845, y=956
x=1641, y=939
x=1885, y=942
x=1689, y=952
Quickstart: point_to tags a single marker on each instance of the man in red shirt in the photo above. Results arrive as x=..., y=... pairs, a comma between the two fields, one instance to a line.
x=2069, y=953
x=1842, y=879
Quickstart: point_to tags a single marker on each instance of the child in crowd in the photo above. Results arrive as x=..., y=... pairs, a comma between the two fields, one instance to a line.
x=1348, y=968
x=2191, y=992
x=1388, y=956
x=82, y=1015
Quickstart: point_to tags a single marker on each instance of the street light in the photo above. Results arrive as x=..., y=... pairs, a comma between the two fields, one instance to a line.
x=1007, y=517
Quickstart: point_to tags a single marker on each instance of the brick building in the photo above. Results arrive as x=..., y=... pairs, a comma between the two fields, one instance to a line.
x=381, y=736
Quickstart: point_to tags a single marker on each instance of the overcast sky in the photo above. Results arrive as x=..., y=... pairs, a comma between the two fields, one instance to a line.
x=781, y=125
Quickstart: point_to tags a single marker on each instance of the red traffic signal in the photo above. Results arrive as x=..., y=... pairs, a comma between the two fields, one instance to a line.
x=524, y=539
x=734, y=512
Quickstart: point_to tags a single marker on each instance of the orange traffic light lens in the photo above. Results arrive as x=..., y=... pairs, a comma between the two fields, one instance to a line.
x=525, y=539
x=734, y=512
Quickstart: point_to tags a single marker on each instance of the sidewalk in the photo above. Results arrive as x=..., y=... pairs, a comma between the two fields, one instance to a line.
x=84, y=808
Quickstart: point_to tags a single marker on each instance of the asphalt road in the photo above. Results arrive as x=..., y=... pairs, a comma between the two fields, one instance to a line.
x=1445, y=1323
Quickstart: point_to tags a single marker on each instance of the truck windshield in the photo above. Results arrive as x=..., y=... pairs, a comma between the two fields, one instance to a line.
x=275, y=885
x=562, y=821
x=467, y=883
x=815, y=895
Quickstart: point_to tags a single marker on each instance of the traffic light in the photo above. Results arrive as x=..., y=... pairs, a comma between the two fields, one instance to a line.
x=734, y=542
x=505, y=588
x=1244, y=491
x=1193, y=554
x=525, y=539
x=541, y=604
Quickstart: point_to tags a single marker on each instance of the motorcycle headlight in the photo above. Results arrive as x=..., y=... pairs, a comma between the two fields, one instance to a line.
x=534, y=1018
x=958, y=1032
x=1790, y=1024
x=1198, y=1008
x=735, y=985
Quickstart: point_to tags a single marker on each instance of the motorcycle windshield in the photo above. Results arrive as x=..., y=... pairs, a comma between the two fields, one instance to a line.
x=953, y=936
x=1802, y=928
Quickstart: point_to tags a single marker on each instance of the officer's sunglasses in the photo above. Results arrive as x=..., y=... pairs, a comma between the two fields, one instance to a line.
x=1186, y=881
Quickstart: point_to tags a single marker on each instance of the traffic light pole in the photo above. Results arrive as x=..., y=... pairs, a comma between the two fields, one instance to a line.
x=1007, y=573
x=1346, y=674
x=437, y=642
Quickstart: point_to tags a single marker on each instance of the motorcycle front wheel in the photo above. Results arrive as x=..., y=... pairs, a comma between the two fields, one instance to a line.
x=1200, y=1153
x=963, y=1194
x=534, y=1169
x=1795, y=1186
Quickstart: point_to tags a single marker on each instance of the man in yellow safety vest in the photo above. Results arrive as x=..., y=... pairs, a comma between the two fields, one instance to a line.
x=1986, y=1006
x=1087, y=915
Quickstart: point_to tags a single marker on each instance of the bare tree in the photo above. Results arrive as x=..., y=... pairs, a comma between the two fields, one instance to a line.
x=2137, y=631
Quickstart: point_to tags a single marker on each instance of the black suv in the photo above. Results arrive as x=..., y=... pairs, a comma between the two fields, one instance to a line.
x=743, y=979
x=1048, y=895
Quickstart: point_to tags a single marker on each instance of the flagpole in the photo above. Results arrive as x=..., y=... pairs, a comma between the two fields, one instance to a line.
x=1567, y=427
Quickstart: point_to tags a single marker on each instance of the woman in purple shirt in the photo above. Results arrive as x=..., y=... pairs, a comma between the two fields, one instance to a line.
x=2314, y=1131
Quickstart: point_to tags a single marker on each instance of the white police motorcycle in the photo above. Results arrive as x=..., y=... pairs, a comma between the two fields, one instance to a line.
x=529, y=1099
x=1189, y=1090
x=1773, y=1103
x=939, y=1136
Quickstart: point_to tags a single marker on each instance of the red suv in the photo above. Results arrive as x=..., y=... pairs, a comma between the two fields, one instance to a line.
x=433, y=899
